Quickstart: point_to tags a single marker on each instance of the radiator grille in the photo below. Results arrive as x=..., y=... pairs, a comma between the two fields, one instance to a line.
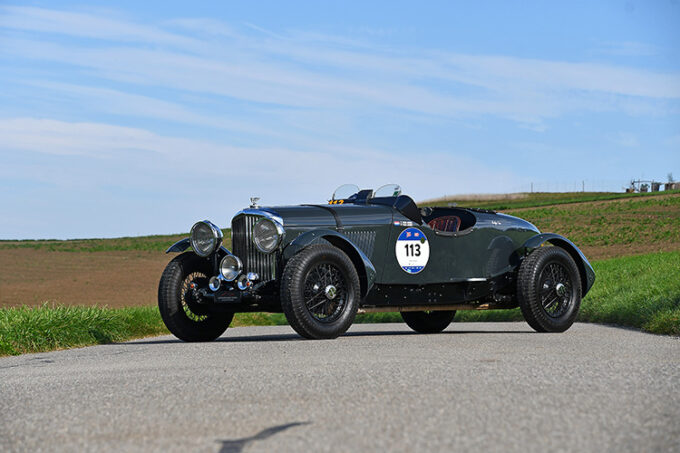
x=253, y=260
x=365, y=240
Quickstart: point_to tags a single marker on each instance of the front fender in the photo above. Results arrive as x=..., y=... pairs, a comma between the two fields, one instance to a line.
x=585, y=269
x=185, y=243
x=179, y=246
x=363, y=265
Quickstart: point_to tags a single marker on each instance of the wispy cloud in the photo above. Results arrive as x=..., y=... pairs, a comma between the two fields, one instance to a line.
x=122, y=103
x=88, y=25
x=299, y=71
x=104, y=141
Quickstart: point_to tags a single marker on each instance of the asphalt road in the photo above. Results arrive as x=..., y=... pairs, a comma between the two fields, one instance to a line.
x=475, y=387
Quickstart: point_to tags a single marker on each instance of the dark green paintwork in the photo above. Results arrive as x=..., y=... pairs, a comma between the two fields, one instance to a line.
x=453, y=258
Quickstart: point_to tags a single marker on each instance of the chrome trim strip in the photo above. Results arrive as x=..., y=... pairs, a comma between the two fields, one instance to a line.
x=259, y=212
x=277, y=220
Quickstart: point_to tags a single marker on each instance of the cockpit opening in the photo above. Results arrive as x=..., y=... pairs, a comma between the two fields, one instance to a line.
x=444, y=220
x=448, y=220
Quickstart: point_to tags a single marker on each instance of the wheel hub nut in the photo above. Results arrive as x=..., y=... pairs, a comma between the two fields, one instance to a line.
x=561, y=290
x=331, y=292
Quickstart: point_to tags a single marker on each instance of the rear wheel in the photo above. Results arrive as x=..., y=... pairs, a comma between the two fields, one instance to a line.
x=320, y=292
x=179, y=304
x=428, y=321
x=549, y=289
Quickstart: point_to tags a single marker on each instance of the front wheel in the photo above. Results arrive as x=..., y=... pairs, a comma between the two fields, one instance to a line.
x=428, y=321
x=549, y=289
x=320, y=292
x=179, y=304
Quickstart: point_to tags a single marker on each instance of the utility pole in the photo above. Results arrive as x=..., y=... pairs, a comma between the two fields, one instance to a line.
x=532, y=187
x=583, y=186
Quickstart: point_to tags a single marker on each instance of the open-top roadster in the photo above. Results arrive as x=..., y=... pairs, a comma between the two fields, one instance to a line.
x=369, y=251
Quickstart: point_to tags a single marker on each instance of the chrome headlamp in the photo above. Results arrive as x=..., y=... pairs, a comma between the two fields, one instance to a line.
x=267, y=234
x=230, y=267
x=205, y=238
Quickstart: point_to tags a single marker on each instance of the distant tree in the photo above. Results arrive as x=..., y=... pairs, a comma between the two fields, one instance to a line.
x=670, y=177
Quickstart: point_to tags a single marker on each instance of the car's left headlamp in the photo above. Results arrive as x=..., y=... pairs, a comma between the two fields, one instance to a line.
x=205, y=238
x=267, y=234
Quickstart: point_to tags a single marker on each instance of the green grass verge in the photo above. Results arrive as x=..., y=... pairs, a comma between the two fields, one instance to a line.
x=48, y=327
x=636, y=291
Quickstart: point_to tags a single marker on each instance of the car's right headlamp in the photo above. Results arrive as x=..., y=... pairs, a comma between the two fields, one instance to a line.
x=205, y=238
x=267, y=235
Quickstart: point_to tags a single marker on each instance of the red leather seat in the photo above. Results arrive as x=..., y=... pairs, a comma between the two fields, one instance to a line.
x=447, y=223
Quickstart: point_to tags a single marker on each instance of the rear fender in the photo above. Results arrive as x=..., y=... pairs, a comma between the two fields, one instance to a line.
x=362, y=264
x=584, y=267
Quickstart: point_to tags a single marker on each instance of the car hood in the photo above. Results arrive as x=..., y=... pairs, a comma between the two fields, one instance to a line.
x=322, y=215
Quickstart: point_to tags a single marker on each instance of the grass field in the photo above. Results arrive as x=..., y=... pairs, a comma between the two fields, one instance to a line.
x=636, y=291
x=520, y=200
x=141, y=243
x=613, y=228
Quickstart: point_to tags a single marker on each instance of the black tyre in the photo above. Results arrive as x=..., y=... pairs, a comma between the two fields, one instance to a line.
x=428, y=321
x=320, y=292
x=549, y=289
x=182, y=314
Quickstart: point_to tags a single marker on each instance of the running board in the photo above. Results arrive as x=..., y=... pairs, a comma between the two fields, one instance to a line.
x=431, y=308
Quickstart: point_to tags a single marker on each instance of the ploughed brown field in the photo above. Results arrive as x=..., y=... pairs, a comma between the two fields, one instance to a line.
x=114, y=279
x=90, y=273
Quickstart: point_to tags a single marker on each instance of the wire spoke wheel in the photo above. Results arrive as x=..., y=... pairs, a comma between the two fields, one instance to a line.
x=189, y=301
x=185, y=315
x=320, y=292
x=556, y=293
x=549, y=289
x=325, y=292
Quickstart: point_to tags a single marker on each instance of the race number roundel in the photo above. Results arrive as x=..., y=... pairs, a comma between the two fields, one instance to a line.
x=413, y=250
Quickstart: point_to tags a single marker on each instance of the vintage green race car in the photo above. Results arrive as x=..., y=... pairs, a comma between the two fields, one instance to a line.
x=367, y=251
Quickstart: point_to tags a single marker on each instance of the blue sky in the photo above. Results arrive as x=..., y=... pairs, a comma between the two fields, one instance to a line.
x=127, y=118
